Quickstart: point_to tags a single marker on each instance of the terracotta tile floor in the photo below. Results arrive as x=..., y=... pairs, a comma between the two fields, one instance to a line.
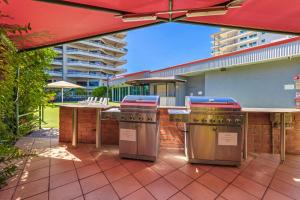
x=62, y=172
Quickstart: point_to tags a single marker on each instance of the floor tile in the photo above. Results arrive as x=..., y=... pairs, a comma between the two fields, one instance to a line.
x=178, y=179
x=13, y=181
x=79, y=198
x=193, y=171
x=42, y=196
x=34, y=175
x=88, y=170
x=69, y=191
x=161, y=189
x=135, y=166
x=108, y=164
x=273, y=195
x=104, y=193
x=197, y=191
x=285, y=188
x=31, y=188
x=32, y=165
x=146, y=176
x=212, y=182
x=288, y=178
x=141, y=194
x=62, y=179
x=258, y=177
x=93, y=182
x=162, y=168
x=7, y=194
x=126, y=185
x=234, y=193
x=84, y=162
x=60, y=168
x=116, y=173
x=223, y=173
x=179, y=196
x=250, y=186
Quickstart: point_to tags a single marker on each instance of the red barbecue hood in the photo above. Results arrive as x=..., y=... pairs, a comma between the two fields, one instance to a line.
x=59, y=21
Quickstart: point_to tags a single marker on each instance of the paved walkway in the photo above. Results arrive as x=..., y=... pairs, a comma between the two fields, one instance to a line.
x=62, y=172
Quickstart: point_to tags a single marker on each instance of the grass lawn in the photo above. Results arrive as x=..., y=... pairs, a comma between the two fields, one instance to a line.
x=51, y=114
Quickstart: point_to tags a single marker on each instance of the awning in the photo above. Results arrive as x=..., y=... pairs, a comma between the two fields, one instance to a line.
x=143, y=81
x=59, y=21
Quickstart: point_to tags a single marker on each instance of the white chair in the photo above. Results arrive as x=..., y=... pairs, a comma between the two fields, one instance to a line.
x=101, y=100
x=85, y=101
x=105, y=101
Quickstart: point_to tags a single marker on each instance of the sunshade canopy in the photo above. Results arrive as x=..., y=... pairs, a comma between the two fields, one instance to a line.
x=63, y=84
x=59, y=21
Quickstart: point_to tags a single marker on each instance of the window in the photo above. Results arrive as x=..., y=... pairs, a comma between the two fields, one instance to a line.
x=243, y=31
x=253, y=36
x=263, y=40
x=93, y=83
x=243, y=46
x=263, y=33
x=243, y=38
x=252, y=44
x=82, y=83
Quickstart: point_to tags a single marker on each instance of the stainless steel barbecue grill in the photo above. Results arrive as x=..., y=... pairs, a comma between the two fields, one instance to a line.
x=213, y=130
x=139, y=126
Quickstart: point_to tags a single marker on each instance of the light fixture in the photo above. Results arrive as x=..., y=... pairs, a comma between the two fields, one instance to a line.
x=204, y=13
x=138, y=18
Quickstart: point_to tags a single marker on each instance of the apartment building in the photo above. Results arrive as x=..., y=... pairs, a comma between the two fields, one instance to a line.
x=90, y=63
x=230, y=40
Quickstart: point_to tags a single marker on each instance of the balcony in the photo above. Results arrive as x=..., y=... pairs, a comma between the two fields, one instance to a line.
x=95, y=55
x=57, y=61
x=54, y=73
x=95, y=66
x=115, y=39
x=103, y=46
x=85, y=75
x=58, y=49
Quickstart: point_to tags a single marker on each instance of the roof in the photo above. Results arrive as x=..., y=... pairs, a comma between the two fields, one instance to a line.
x=154, y=80
x=59, y=21
x=221, y=56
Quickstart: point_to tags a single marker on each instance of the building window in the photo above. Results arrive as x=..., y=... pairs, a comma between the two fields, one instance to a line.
x=243, y=46
x=242, y=31
x=252, y=44
x=263, y=40
x=243, y=38
x=263, y=33
x=253, y=36
x=93, y=83
x=82, y=83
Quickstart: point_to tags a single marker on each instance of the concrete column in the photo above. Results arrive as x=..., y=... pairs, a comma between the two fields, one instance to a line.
x=112, y=94
x=64, y=63
x=128, y=90
x=119, y=94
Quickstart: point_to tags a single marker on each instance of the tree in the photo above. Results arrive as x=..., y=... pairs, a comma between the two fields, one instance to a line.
x=101, y=92
x=22, y=82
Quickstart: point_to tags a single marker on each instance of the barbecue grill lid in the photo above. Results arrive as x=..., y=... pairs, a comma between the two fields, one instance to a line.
x=212, y=100
x=140, y=100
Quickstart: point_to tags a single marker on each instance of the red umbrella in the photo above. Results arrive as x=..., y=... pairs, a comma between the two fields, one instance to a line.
x=60, y=21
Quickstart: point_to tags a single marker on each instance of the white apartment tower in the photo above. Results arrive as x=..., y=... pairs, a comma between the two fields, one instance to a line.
x=91, y=62
x=230, y=40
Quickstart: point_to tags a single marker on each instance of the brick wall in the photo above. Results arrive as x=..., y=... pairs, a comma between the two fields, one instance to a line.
x=259, y=131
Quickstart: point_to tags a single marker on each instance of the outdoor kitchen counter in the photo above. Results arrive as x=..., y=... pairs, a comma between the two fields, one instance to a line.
x=282, y=112
x=78, y=111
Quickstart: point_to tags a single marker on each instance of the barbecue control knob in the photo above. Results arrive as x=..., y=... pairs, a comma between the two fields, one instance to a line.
x=212, y=120
x=221, y=121
x=229, y=120
x=204, y=120
x=195, y=120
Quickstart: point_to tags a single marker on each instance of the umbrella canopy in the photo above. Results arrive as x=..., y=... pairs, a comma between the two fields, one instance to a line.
x=62, y=85
x=59, y=21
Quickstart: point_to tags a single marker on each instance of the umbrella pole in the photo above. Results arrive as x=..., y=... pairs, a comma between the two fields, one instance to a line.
x=62, y=95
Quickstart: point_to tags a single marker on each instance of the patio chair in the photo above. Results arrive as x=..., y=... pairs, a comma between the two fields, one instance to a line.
x=85, y=101
x=101, y=100
x=105, y=101
x=93, y=101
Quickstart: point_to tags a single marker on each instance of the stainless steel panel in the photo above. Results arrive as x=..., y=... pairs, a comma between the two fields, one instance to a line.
x=229, y=152
x=127, y=147
x=201, y=142
x=147, y=139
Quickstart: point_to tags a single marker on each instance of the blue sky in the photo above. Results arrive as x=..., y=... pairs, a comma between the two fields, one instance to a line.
x=167, y=44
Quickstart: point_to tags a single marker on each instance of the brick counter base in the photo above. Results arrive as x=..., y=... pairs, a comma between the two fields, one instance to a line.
x=259, y=131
